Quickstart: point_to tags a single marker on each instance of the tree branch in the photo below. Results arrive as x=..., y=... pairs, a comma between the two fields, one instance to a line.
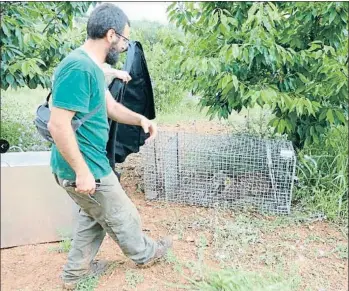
x=57, y=14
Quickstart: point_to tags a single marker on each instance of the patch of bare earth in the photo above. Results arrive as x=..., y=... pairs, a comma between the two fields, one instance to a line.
x=313, y=252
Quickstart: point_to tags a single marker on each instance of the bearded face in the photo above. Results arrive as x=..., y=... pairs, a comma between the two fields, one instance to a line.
x=118, y=44
x=113, y=54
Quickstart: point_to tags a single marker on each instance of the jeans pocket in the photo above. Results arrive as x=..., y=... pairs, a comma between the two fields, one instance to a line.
x=105, y=184
x=93, y=198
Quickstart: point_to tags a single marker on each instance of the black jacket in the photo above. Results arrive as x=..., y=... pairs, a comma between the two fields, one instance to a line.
x=137, y=95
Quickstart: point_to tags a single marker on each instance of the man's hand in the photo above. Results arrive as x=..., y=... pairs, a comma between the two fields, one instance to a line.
x=122, y=75
x=85, y=183
x=111, y=73
x=149, y=127
x=121, y=114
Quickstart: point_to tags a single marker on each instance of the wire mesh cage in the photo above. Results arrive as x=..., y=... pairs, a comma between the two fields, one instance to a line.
x=220, y=170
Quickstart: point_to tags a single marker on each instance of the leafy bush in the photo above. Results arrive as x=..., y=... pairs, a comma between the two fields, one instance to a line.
x=35, y=36
x=291, y=56
x=157, y=41
x=323, y=175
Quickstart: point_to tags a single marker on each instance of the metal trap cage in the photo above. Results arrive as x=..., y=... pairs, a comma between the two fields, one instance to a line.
x=220, y=170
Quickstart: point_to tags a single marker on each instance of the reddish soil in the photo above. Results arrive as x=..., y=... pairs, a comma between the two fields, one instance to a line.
x=308, y=250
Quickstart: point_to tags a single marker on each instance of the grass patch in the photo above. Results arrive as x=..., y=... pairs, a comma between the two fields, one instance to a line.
x=341, y=251
x=65, y=243
x=176, y=226
x=252, y=120
x=87, y=284
x=323, y=176
x=232, y=234
x=245, y=281
x=133, y=278
x=64, y=246
x=232, y=237
x=314, y=238
x=171, y=259
x=187, y=111
x=18, y=109
x=24, y=97
x=90, y=282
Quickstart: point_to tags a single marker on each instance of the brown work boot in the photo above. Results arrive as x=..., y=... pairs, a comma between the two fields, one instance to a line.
x=163, y=245
x=97, y=268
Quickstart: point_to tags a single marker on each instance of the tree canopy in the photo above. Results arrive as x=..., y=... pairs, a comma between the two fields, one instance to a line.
x=289, y=56
x=34, y=37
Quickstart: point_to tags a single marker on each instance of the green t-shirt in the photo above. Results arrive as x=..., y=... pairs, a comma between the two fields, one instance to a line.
x=79, y=86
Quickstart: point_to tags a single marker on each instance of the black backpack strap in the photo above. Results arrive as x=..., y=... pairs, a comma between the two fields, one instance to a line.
x=90, y=114
x=48, y=96
x=78, y=122
x=47, y=99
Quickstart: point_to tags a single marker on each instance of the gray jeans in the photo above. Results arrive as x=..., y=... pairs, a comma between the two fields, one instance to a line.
x=108, y=210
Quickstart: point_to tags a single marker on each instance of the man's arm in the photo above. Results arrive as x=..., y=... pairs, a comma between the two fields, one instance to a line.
x=64, y=137
x=121, y=114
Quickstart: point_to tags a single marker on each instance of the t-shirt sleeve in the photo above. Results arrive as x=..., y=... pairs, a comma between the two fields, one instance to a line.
x=72, y=91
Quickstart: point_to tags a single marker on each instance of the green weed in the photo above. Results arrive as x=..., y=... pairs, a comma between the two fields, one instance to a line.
x=245, y=281
x=291, y=236
x=171, y=259
x=133, y=278
x=270, y=258
x=87, y=284
x=63, y=247
x=341, y=251
x=314, y=238
x=65, y=243
x=323, y=175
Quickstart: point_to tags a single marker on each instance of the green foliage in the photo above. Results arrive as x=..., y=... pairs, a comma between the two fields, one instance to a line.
x=245, y=281
x=64, y=246
x=341, y=251
x=34, y=38
x=17, y=115
x=290, y=56
x=185, y=112
x=133, y=278
x=88, y=284
x=323, y=175
x=158, y=46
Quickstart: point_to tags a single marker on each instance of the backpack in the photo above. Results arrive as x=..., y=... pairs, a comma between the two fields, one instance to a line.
x=136, y=95
x=42, y=117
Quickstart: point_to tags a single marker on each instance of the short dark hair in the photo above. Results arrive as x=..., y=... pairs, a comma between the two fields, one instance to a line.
x=104, y=17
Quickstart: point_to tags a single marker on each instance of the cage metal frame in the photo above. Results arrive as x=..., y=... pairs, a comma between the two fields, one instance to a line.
x=225, y=170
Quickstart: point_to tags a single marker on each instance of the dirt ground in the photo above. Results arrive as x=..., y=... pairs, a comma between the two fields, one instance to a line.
x=314, y=252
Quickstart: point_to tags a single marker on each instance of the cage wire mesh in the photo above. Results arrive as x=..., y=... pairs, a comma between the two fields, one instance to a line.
x=224, y=170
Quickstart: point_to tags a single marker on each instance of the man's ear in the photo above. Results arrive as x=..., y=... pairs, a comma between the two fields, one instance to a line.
x=109, y=35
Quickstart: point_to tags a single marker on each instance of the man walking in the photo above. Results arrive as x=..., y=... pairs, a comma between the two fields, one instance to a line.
x=80, y=158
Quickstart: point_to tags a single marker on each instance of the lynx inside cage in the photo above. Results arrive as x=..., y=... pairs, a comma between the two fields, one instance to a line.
x=220, y=170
